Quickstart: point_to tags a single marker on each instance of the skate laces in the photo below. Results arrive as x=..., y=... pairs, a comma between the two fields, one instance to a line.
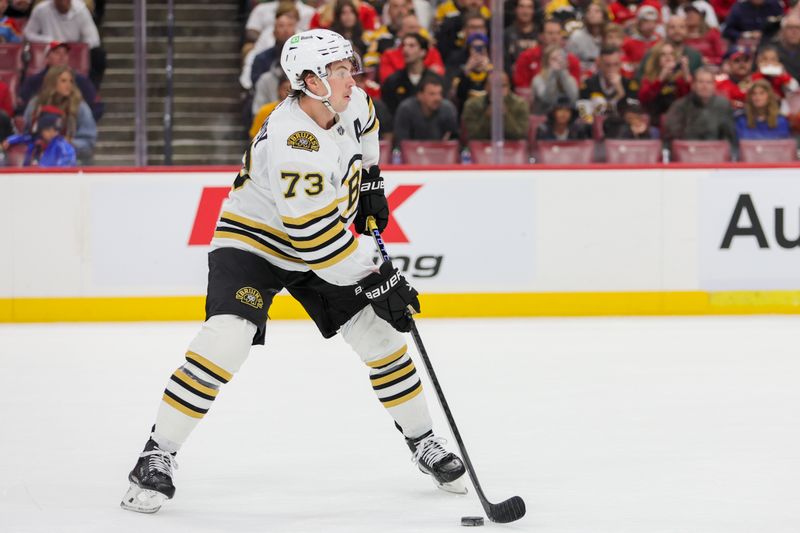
x=161, y=461
x=430, y=451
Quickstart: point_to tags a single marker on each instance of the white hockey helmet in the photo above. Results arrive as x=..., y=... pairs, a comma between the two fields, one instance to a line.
x=313, y=50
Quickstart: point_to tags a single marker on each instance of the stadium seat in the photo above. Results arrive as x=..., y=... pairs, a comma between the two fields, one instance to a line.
x=429, y=152
x=15, y=155
x=565, y=152
x=633, y=152
x=514, y=152
x=11, y=57
x=385, y=153
x=78, y=57
x=11, y=78
x=773, y=151
x=533, y=124
x=793, y=102
x=701, y=151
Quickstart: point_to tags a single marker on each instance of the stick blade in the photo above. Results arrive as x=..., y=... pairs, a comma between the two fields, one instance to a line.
x=508, y=511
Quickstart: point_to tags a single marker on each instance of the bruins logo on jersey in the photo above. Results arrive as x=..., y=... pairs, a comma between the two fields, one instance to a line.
x=251, y=297
x=303, y=140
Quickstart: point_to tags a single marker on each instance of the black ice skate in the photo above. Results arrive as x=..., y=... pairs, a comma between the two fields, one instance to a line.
x=445, y=468
x=151, y=480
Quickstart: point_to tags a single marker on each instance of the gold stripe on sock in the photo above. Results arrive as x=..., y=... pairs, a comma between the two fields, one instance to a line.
x=181, y=375
x=389, y=359
x=404, y=399
x=394, y=375
x=221, y=372
x=182, y=408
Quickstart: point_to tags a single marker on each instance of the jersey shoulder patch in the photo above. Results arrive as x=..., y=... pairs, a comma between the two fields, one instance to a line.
x=303, y=140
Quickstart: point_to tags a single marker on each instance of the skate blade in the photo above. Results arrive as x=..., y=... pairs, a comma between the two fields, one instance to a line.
x=458, y=486
x=142, y=500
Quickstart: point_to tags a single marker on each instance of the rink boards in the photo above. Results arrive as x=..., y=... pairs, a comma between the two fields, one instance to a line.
x=131, y=245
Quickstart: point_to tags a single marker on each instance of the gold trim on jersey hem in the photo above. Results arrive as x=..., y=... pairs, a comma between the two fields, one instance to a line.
x=403, y=372
x=389, y=359
x=182, y=408
x=337, y=231
x=221, y=234
x=259, y=225
x=202, y=361
x=312, y=215
x=338, y=258
x=403, y=399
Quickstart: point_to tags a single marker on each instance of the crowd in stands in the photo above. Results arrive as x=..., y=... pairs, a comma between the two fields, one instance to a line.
x=51, y=70
x=574, y=70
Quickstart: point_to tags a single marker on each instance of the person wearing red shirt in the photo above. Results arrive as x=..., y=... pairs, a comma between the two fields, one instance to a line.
x=644, y=35
x=771, y=69
x=367, y=15
x=528, y=63
x=665, y=79
x=624, y=11
x=392, y=60
x=706, y=40
x=734, y=84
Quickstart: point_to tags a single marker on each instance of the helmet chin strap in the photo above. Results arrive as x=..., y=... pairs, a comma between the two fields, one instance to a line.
x=324, y=99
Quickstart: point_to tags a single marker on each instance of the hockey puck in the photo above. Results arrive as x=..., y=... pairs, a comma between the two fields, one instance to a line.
x=471, y=520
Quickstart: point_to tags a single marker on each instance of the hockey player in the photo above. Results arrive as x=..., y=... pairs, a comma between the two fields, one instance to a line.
x=308, y=175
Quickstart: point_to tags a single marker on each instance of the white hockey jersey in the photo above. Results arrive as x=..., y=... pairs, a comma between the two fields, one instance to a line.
x=297, y=192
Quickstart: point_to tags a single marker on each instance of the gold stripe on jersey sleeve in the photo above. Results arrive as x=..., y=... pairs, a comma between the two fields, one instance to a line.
x=208, y=365
x=312, y=215
x=405, y=398
x=331, y=235
x=389, y=359
x=373, y=127
x=179, y=374
x=338, y=258
x=252, y=223
x=222, y=234
x=182, y=408
x=394, y=375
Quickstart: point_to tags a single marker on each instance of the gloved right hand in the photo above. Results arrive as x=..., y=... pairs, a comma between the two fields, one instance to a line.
x=390, y=296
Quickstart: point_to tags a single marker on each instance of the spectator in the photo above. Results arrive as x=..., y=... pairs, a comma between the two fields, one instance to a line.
x=585, y=42
x=471, y=81
x=521, y=34
x=701, y=115
x=392, y=59
x=260, y=24
x=676, y=37
x=623, y=12
x=58, y=90
x=325, y=15
x=706, y=40
x=46, y=147
x=268, y=62
x=666, y=78
x=68, y=21
x=553, y=83
x=770, y=68
x=562, y=124
x=405, y=82
x=788, y=45
x=452, y=39
x=678, y=7
x=722, y=8
x=57, y=55
x=346, y=24
x=388, y=35
x=284, y=88
x=643, y=36
x=6, y=110
x=635, y=123
x=761, y=118
x=427, y=116
x=477, y=116
x=9, y=31
x=20, y=11
x=759, y=18
x=601, y=94
x=529, y=64
x=457, y=8
x=739, y=68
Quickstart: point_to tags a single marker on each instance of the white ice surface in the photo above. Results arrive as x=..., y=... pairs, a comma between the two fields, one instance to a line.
x=601, y=425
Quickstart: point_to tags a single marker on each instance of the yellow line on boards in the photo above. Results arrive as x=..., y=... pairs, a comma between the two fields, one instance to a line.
x=284, y=307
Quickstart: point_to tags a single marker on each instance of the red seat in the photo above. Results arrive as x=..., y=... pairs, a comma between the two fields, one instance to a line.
x=15, y=155
x=633, y=152
x=701, y=151
x=772, y=151
x=513, y=152
x=429, y=152
x=597, y=127
x=793, y=101
x=78, y=58
x=11, y=78
x=385, y=154
x=565, y=152
x=11, y=56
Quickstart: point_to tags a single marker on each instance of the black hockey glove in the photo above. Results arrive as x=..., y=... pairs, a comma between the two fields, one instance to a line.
x=371, y=201
x=390, y=296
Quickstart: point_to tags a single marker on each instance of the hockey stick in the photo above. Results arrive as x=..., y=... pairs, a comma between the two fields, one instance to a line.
x=506, y=511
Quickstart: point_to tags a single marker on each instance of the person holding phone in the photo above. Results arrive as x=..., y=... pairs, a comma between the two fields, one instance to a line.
x=553, y=82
